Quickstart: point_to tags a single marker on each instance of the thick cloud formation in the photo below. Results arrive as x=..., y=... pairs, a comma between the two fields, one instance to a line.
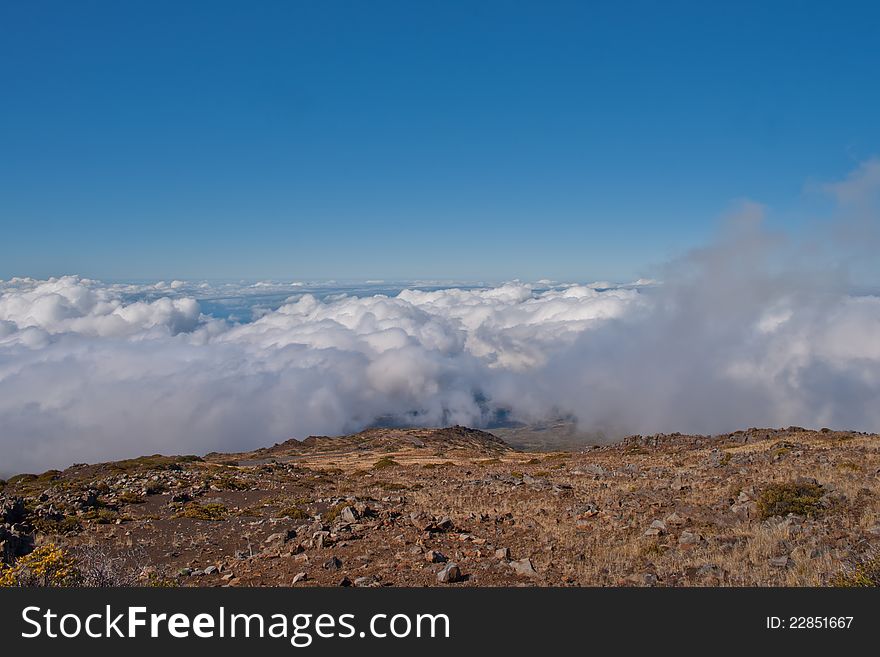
x=84, y=376
x=746, y=331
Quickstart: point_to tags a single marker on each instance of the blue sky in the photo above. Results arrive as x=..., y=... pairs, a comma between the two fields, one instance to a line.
x=466, y=140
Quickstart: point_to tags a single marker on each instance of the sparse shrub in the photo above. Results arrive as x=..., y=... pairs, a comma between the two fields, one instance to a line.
x=103, y=515
x=21, y=478
x=385, y=462
x=64, y=525
x=158, y=582
x=213, y=511
x=131, y=498
x=653, y=550
x=48, y=565
x=97, y=567
x=154, y=462
x=333, y=512
x=865, y=573
x=294, y=513
x=802, y=499
x=228, y=481
x=849, y=465
x=86, y=565
x=391, y=485
x=155, y=488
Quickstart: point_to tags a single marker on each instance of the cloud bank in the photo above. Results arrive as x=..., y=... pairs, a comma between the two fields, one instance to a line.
x=746, y=331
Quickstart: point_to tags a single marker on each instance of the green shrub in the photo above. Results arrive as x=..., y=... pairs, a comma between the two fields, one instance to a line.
x=102, y=515
x=333, y=512
x=803, y=499
x=385, y=462
x=65, y=525
x=228, y=481
x=21, y=478
x=154, y=462
x=155, y=488
x=294, y=513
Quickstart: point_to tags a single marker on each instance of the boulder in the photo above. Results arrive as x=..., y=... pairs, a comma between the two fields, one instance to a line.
x=433, y=556
x=523, y=567
x=333, y=563
x=449, y=574
x=503, y=554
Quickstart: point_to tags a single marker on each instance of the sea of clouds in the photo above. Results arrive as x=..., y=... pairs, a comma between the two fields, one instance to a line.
x=750, y=330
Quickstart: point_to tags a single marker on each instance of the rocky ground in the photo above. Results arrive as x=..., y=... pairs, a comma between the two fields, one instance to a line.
x=460, y=507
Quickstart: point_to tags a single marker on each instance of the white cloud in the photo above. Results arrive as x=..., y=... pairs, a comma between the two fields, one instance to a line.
x=736, y=335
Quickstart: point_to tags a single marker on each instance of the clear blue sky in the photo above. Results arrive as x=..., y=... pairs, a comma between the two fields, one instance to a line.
x=473, y=140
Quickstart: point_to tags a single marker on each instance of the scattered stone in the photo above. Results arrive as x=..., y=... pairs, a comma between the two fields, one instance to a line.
x=678, y=484
x=708, y=572
x=333, y=563
x=745, y=496
x=503, y=553
x=689, y=539
x=744, y=510
x=442, y=525
x=657, y=528
x=299, y=577
x=321, y=539
x=779, y=562
x=449, y=574
x=524, y=567
x=592, y=469
x=280, y=537
x=433, y=556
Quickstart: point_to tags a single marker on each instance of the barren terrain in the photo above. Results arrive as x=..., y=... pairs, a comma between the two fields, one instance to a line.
x=460, y=507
